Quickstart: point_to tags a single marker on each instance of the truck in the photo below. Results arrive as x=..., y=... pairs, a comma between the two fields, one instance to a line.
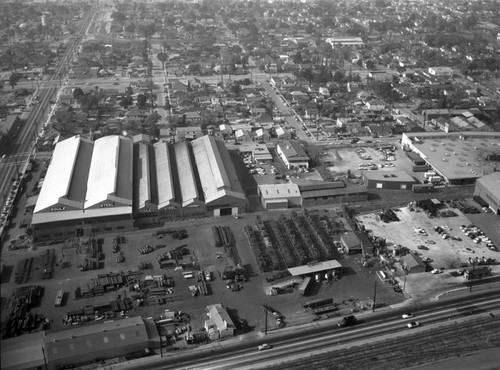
x=350, y=320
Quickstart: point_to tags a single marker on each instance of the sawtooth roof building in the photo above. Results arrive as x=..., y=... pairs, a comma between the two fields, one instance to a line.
x=113, y=184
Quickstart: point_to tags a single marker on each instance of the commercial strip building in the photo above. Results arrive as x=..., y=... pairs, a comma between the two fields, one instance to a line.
x=459, y=158
x=115, y=184
x=488, y=188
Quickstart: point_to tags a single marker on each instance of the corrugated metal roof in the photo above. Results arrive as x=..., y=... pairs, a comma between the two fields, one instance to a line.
x=142, y=174
x=88, y=341
x=58, y=178
x=103, y=170
x=166, y=193
x=314, y=267
x=110, y=175
x=46, y=217
x=187, y=182
x=217, y=176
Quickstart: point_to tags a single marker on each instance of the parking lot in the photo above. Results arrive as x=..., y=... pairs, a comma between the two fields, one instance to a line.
x=416, y=231
x=365, y=157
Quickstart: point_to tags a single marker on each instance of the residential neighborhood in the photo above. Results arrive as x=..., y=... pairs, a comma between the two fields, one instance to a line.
x=237, y=183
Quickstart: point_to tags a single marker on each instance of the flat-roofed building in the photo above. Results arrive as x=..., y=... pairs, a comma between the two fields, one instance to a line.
x=278, y=196
x=457, y=157
x=397, y=180
x=488, y=188
x=324, y=192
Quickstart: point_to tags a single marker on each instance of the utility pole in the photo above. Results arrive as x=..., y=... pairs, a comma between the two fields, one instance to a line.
x=374, y=296
x=472, y=276
x=265, y=327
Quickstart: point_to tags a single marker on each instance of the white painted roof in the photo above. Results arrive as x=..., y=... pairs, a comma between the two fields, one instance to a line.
x=103, y=170
x=217, y=178
x=166, y=193
x=187, y=182
x=58, y=178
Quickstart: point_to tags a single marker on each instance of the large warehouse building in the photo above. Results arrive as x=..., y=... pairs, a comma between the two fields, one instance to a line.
x=113, y=184
x=87, y=188
x=488, y=188
x=459, y=158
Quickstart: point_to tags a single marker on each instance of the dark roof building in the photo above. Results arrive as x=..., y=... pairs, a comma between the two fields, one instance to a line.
x=412, y=263
x=351, y=243
x=88, y=343
x=292, y=154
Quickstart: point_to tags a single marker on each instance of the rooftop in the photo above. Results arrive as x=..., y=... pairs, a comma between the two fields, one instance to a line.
x=492, y=182
x=457, y=155
x=314, y=267
x=279, y=190
x=396, y=176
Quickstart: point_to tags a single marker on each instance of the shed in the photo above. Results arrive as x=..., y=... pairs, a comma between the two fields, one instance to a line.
x=351, y=243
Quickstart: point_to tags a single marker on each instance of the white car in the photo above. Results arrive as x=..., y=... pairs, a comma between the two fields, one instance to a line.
x=435, y=271
x=407, y=315
x=264, y=346
x=413, y=324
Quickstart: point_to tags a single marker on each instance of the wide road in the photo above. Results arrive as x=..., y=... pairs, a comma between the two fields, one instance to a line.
x=323, y=337
x=17, y=154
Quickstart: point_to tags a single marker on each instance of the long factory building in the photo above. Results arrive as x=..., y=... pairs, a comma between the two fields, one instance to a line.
x=114, y=183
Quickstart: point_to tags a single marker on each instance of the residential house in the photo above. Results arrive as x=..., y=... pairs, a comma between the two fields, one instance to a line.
x=375, y=104
x=242, y=136
x=188, y=133
x=262, y=135
x=192, y=117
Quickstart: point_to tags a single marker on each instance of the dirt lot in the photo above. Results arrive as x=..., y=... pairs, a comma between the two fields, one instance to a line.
x=447, y=254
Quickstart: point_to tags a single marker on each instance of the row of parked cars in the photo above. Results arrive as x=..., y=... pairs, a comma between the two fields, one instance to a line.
x=476, y=234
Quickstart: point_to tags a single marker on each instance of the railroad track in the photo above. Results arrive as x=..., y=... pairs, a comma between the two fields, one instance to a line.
x=411, y=350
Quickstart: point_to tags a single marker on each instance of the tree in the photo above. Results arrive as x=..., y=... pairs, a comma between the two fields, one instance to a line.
x=14, y=79
x=162, y=57
x=77, y=93
x=141, y=101
x=297, y=59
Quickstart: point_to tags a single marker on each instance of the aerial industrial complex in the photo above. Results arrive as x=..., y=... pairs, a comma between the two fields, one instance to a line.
x=113, y=184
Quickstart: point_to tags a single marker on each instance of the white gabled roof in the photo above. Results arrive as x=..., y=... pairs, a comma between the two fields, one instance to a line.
x=215, y=180
x=166, y=193
x=187, y=182
x=103, y=170
x=59, y=174
x=143, y=192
